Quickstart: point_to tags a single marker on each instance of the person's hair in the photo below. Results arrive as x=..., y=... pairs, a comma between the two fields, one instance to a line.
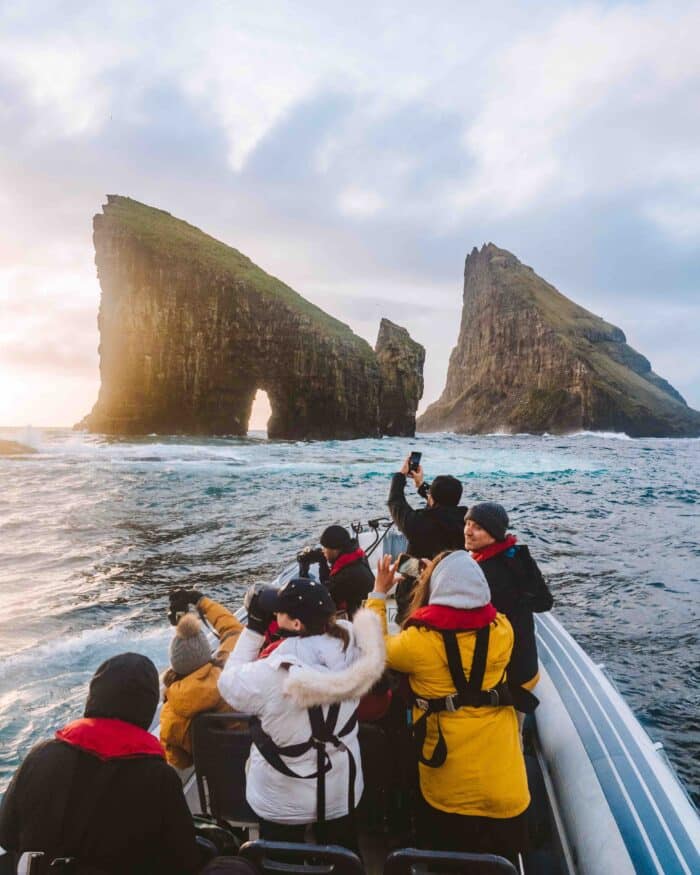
x=421, y=591
x=326, y=625
x=446, y=490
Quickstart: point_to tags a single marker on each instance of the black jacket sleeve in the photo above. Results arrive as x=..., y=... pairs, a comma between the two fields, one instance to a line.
x=324, y=572
x=401, y=511
x=535, y=593
x=179, y=853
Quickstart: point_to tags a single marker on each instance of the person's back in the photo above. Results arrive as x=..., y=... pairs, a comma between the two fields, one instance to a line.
x=101, y=791
x=435, y=528
x=455, y=649
x=191, y=682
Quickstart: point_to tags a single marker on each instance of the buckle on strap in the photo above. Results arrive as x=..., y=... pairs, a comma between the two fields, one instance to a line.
x=494, y=698
x=423, y=704
x=450, y=703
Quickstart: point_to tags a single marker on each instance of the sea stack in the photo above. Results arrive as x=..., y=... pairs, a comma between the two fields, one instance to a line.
x=401, y=362
x=528, y=359
x=190, y=329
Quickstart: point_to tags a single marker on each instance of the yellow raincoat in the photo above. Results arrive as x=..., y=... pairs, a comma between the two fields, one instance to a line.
x=484, y=773
x=197, y=691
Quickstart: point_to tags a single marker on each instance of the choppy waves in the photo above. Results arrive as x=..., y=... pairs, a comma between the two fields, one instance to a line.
x=94, y=533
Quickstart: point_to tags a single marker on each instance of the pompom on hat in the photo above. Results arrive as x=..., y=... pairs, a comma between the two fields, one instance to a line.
x=189, y=649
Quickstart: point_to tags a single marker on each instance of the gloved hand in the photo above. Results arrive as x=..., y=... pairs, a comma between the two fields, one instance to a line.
x=181, y=599
x=307, y=557
x=257, y=601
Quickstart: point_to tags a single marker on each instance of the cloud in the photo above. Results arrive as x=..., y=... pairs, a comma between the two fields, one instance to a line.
x=358, y=153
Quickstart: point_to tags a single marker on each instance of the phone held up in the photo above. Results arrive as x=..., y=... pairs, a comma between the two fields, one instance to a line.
x=409, y=566
x=414, y=461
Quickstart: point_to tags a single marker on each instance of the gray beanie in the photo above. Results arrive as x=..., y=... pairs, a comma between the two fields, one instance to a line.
x=459, y=582
x=189, y=649
x=490, y=516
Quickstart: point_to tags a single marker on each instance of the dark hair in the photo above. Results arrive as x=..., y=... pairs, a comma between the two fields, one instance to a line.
x=446, y=490
x=326, y=625
x=421, y=591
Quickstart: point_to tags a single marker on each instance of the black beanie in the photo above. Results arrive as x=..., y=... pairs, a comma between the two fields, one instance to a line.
x=336, y=538
x=124, y=687
x=446, y=490
x=490, y=516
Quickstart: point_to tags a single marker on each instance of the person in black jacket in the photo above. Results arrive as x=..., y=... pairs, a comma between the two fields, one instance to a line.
x=439, y=526
x=343, y=568
x=517, y=586
x=101, y=791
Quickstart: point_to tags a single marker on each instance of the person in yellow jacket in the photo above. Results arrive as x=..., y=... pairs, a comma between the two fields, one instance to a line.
x=191, y=681
x=455, y=648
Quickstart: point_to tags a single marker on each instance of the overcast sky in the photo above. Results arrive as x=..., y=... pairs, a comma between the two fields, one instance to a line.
x=358, y=151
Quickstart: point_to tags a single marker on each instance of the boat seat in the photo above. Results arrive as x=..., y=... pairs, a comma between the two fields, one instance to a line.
x=304, y=859
x=404, y=861
x=220, y=748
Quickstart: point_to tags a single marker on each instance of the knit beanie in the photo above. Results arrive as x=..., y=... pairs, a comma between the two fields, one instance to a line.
x=459, y=582
x=490, y=516
x=189, y=649
x=336, y=538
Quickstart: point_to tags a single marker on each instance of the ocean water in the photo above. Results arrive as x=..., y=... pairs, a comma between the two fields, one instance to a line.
x=95, y=532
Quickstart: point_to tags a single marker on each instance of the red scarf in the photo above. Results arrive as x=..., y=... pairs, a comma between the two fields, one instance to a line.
x=110, y=739
x=494, y=549
x=346, y=559
x=454, y=619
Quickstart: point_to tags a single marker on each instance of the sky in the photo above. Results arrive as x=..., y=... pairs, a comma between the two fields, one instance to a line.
x=358, y=152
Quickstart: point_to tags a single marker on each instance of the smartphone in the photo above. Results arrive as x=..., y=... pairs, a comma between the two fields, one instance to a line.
x=409, y=566
x=414, y=461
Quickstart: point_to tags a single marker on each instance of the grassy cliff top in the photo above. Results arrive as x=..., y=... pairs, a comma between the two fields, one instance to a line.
x=159, y=231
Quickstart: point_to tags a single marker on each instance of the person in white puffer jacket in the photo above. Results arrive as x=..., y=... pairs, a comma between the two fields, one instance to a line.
x=315, y=674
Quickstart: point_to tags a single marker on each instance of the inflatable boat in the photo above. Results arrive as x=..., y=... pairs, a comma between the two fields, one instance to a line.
x=605, y=800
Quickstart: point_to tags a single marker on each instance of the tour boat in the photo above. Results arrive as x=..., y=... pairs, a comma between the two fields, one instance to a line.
x=605, y=800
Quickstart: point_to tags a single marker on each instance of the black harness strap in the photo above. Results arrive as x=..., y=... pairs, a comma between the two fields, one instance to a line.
x=323, y=732
x=468, y=693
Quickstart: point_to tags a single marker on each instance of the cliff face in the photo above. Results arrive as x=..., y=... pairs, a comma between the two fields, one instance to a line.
x=401, y=362
x=190, y=329
x=528, y=359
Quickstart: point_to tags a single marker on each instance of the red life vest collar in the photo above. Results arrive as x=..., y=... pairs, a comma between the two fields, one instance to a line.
x=452, y=619
x=494, y=549
x=110, y=739
x=346, y=559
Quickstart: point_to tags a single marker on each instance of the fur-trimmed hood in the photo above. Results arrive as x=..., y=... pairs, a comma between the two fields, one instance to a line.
x=321, y=672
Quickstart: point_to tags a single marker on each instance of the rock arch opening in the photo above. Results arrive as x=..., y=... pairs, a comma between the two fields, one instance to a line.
x=260, y=412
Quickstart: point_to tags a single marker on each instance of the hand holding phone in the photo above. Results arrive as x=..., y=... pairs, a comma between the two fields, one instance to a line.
x=414, y=461
x=408, y=566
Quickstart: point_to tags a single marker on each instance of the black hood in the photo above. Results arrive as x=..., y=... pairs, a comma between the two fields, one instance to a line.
x=124, y=687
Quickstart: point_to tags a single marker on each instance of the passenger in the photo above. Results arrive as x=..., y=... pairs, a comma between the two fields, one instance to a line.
x=306, y=689
x=439, y=526
x=101, y=790
x=455, y=647
x=517, y=590
x=191, y=681
x=343, y=568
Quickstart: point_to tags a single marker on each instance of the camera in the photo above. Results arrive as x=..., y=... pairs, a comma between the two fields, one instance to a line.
x=309, y=555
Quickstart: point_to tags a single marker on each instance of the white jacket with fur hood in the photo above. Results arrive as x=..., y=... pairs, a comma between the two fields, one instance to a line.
x=319, y=672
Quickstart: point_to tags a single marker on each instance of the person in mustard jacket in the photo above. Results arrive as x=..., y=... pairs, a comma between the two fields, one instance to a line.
x=454, y=647
x=191, y=681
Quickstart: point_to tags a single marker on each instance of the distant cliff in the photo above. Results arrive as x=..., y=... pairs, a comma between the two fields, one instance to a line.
x=401, y=362
x=190, y=329
x=528, y=359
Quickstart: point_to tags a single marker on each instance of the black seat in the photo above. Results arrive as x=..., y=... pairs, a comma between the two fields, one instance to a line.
x=220, y=748
x=229, y=866
x=402, y=862
x=301, y=858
